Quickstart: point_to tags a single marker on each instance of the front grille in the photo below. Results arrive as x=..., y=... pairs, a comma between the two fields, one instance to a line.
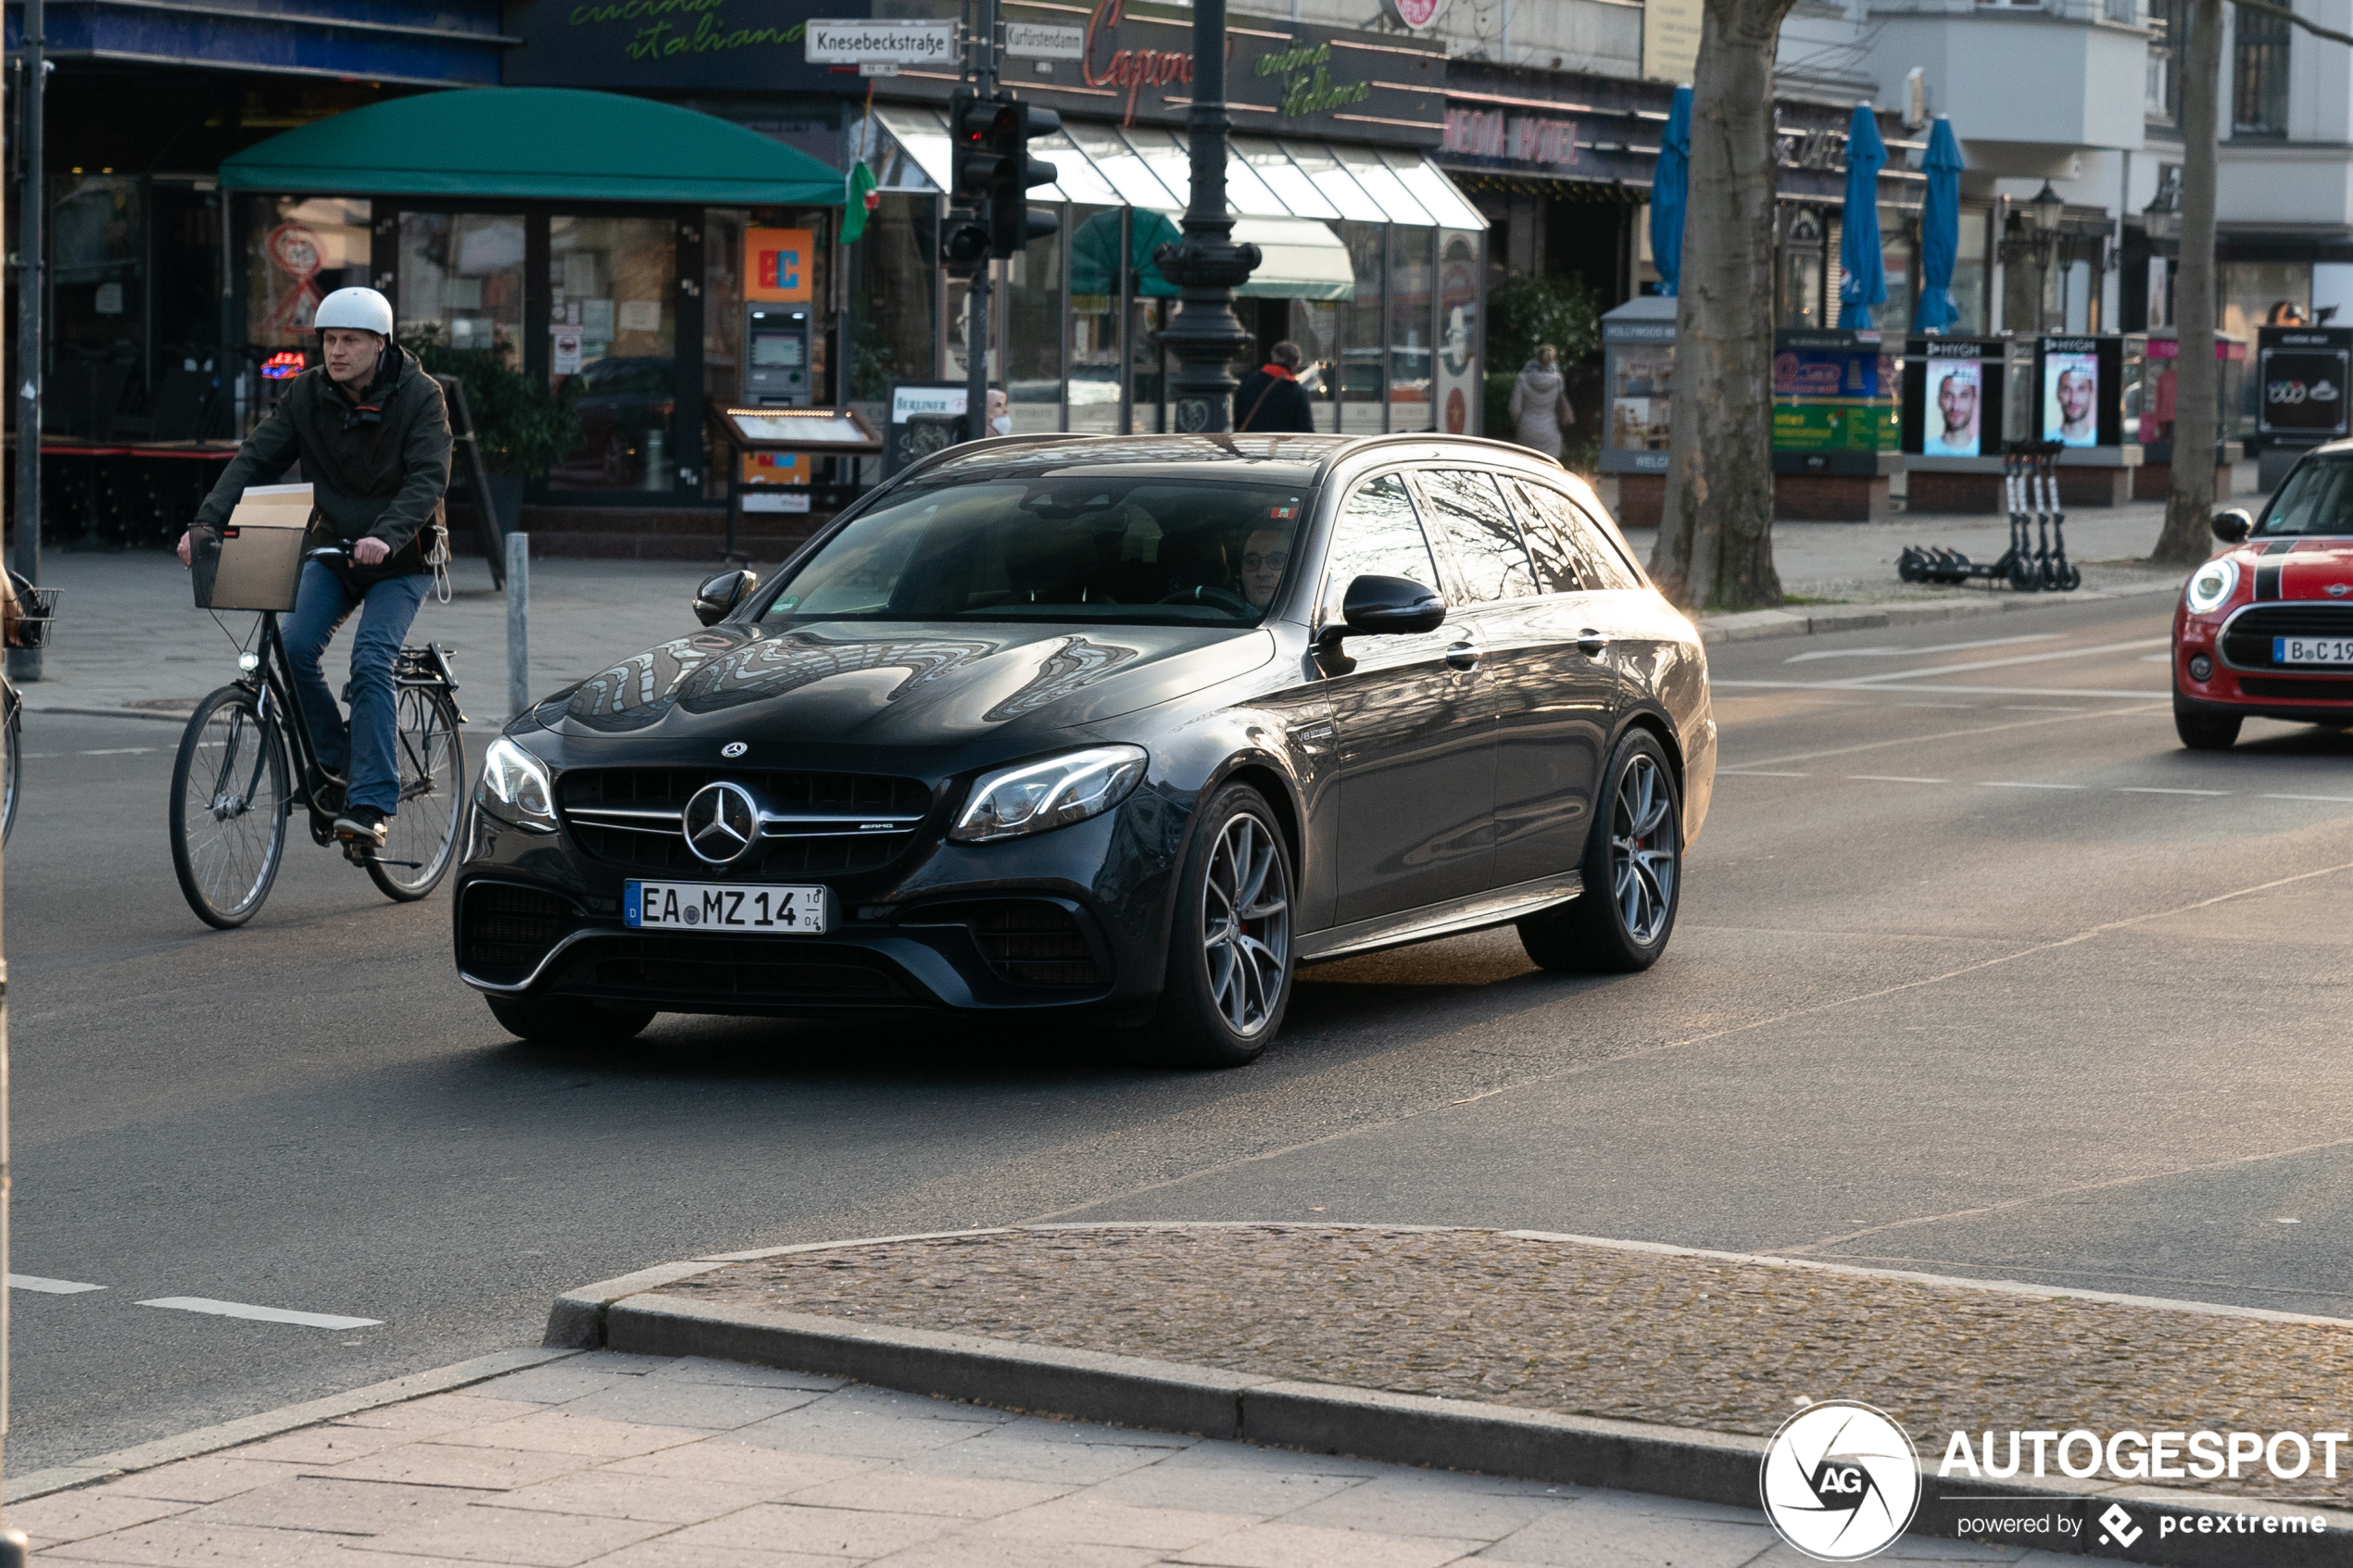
x=831, y=822
x=2309, y=691
x=507, y=930
x=1024, y=941
x=2247, y=641
x=716, y=968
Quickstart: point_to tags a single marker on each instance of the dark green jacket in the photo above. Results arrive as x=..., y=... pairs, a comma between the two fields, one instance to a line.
x=383, y=479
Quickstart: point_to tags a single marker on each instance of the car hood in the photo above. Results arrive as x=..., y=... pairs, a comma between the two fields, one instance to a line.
x=2309, y=568
x=906, y=684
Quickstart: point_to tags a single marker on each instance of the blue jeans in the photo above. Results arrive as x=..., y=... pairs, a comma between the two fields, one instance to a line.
x=386, y=609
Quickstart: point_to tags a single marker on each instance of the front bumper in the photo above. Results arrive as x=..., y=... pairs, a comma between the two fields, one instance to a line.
x=1056, y=921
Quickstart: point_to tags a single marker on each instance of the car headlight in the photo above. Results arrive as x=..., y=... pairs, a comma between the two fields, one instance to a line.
x=1040, y=797
x=515, y=787
x=2211, y=584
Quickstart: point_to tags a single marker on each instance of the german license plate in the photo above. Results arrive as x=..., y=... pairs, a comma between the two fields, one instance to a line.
x=2313, y=650
x=737, y=911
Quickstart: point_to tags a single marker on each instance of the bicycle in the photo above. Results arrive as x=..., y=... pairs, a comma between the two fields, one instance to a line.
x=243, y=770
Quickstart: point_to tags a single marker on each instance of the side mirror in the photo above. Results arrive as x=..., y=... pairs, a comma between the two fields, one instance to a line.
x=717, y=598
x=1377, y=606
x=2231, y=527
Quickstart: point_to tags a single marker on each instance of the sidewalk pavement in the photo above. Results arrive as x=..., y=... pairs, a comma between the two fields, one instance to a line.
x=637, y=1461
x=130, y=642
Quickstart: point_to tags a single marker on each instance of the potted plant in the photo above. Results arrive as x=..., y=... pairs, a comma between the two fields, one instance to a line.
x=522, y=426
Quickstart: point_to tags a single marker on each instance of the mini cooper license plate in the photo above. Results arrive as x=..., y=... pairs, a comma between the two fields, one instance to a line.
x=735, y=911
x=2313, y=650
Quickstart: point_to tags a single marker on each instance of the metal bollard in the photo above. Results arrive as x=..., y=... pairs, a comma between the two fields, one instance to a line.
x=518, y=623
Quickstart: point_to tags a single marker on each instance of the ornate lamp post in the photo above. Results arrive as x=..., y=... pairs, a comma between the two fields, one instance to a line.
x=2032, y=235
x=1206, y=265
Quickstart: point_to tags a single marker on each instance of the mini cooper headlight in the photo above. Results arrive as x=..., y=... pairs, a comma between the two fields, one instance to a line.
x=515, y=787
x=1040, y=797
x=2211, y=584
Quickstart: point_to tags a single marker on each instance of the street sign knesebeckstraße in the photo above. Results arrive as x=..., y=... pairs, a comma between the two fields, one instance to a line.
x=848, y=41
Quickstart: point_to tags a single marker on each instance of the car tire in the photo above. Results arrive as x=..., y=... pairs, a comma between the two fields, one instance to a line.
x=2207, y=732
x=1632, y=870
x=556, y=1021
x=1230, y=960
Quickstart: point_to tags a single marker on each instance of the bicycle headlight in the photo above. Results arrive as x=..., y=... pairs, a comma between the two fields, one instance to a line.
x=515, y=787
x=2212, y=585
x=1040, y=797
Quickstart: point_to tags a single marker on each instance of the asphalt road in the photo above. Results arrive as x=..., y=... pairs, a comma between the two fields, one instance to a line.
x=1977, y=972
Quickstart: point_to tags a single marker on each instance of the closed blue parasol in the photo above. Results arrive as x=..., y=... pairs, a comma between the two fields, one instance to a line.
x=1864, y=282
x=1940, y=231
x=1670, y=193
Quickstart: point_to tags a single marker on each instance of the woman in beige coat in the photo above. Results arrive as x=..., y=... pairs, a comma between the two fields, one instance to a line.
x=1539, y=403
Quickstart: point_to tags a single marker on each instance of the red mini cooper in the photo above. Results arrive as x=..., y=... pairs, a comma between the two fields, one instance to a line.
x=2265, y=629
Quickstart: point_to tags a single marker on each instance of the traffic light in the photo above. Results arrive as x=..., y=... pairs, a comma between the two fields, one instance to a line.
x=973, y=154
x=963, y=242
x=1012, y=173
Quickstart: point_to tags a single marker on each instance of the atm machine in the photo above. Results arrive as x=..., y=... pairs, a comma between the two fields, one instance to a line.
x=776, y=370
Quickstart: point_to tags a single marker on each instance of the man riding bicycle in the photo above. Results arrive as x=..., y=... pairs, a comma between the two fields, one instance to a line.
x=372, y=433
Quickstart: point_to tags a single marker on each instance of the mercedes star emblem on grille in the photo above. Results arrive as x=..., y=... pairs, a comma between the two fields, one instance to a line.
x=733, y=749
x=721, y=821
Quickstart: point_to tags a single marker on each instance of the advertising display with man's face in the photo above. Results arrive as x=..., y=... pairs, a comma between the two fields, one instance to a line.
x=1954, y=390
x=2072, y=399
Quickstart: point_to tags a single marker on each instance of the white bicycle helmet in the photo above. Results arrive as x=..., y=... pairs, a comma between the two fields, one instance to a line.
x=363, y=309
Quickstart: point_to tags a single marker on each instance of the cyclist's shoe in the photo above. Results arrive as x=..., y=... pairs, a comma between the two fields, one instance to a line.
x=362, y=822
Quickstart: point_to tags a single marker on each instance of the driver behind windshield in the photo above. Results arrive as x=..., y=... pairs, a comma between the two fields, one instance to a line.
x=1265, y=554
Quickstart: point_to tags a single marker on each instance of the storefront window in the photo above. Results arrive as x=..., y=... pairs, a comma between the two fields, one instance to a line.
x=1095, y=250
x=1412, y=358
x=2253, y=291
x=97, y=250
x=1363, y=391
x=1801, y=271
x=1032, y=357
x=299, y=251
x=461, y=277
x=1146, y=365
x=894, y=327
x=1895, y=230
x=1315, y=326
x=1457, y=392
x=613, y=326
x=1969, y=275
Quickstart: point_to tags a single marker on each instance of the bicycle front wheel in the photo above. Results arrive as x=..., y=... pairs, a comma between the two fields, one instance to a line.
x=12, y=737
x=229, y=798
x=422, y=838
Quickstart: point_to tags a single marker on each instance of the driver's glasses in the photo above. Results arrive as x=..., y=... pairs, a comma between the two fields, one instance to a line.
x=1275, y=562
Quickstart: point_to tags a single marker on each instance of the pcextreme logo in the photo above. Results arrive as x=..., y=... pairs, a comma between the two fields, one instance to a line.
x=1840, y=1481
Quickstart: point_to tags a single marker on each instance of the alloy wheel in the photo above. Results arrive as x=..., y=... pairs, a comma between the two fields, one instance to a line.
x=1642, y=850
x=1245, y=923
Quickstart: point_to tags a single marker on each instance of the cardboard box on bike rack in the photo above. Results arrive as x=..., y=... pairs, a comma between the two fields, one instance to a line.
x=258, y=562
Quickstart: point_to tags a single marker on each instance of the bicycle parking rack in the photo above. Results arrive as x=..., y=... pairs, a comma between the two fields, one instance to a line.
x=2036, y=559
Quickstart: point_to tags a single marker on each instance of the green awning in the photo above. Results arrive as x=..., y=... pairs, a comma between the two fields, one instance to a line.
x=537, y=143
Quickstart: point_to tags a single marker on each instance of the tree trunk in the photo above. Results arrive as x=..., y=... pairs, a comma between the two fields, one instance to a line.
x=2189, y=511
x=1714, y=544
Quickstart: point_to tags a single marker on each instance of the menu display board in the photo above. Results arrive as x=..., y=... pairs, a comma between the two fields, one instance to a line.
x=2301, y=376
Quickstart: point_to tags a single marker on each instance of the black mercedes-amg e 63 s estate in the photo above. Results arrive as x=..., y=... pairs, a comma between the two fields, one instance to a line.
x=1125, y=728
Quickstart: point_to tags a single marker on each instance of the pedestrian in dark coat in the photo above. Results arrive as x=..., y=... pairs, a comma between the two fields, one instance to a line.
x=1270, y=398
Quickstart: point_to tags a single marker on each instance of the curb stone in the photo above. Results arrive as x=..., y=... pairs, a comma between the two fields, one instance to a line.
x=631, y=1314
x=270, y=1424
x=1755, y=625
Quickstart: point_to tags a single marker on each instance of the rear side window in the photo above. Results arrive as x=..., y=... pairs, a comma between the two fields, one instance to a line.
x=1572, y=554
x=1479, y=527
x=1377, y=535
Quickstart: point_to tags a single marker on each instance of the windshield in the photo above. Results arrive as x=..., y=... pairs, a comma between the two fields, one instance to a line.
x=1153, y=551
x=2317, y=498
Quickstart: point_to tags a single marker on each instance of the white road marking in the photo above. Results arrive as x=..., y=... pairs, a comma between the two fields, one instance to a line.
x=2028, y=708
x=259, y=1314
x=49, y=1286
x=1894, y=778
x=1945, y=704
x=2338, y=799
x=1957, y=690
x=1929, y=671
x=2150, y=789
x=1754, y=773
x=121, y=751
x=2014, y=784
x=1934, y=647
x=2157, y=658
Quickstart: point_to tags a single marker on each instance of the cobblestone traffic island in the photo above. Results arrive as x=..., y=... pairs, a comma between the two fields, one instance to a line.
x=1586, y=1329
